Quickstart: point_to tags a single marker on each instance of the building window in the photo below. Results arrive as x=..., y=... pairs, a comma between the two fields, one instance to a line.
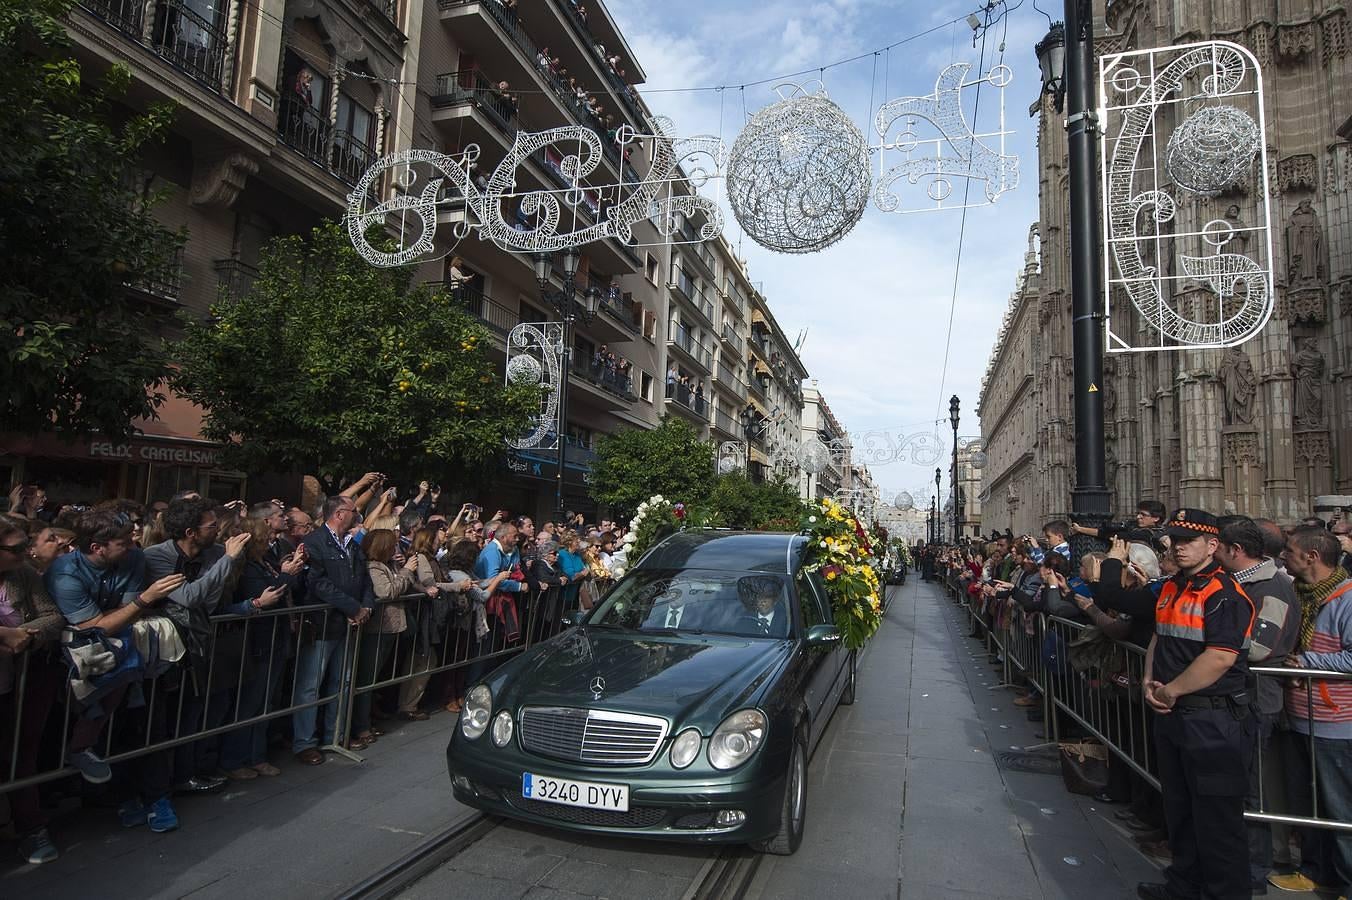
x=650, y=269
x=650, y=325
x=646, y=382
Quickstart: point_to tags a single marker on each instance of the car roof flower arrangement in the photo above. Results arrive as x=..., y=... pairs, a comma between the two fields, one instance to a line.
x=656, y=517
x=842, y=553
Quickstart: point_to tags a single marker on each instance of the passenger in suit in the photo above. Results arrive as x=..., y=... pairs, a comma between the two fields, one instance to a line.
x=673, y=610
x=763, y=611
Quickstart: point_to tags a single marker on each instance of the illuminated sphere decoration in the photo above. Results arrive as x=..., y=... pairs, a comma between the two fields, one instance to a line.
x=727, y=465
x=798, y=176
x=904, y=501
x=524, y=369
x=1212, y=149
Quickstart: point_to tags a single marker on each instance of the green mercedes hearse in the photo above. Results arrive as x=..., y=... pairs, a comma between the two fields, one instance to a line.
x=684, y=706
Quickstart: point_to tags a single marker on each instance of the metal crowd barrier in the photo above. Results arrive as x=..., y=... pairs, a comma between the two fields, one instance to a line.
x=1119, y=717
x=249, y=679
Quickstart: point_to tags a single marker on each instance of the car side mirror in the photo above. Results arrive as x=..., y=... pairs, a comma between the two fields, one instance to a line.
x=824, y=636
x=577, y=616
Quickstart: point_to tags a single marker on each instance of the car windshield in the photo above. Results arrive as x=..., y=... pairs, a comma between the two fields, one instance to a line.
x=748, y=604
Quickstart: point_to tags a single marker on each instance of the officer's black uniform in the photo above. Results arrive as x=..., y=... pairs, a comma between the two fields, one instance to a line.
x=1203, y=746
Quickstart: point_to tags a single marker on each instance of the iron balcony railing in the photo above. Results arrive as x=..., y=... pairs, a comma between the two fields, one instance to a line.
x=178, y=34
x=303, y=129
x=726, y=378
x=496, y=316
x=389, y=7
x=234, y=279
x=682, y=337
x=726, y=422
x=511, y=25
x=162, y=284
x=604, y=377
x=589, y=41
x=472, y=86
x=683, y=396
x=731, y=339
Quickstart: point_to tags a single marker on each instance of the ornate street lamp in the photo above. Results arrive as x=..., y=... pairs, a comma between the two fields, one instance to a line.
x=953, y=405
x=1065, y=57
x=938, y=526
x=565, y=302
x=1051, y=59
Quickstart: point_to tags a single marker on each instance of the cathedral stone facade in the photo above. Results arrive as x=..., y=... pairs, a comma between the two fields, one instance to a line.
x=1260, y=429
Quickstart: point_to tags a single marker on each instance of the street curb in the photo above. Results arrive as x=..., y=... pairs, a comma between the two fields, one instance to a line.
x=422, y=860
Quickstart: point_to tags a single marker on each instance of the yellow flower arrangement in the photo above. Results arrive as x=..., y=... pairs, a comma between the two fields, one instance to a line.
x=845, y=557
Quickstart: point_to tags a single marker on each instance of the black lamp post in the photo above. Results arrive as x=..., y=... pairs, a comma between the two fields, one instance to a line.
x=953, y=405
x=938, y=514
x=1065, y=57
x=570, y=309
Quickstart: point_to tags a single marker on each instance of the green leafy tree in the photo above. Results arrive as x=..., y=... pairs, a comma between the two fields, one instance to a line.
x=332, y=366
x=739, y=502
x=632, y=465
x=77, y=353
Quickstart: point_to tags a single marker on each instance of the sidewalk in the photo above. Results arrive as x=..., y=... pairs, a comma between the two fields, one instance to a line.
x=306, y=833
x=906, y=799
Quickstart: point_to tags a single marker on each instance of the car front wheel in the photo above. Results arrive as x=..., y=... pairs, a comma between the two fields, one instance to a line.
x=793, y=812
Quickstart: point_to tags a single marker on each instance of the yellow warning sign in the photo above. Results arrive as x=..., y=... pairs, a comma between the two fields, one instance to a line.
x=1093, y=388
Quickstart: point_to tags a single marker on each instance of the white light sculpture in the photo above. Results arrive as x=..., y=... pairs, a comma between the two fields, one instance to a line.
x=932, y=164
x=535, y=356
x=904, y=501
x=798, y=174
x=1221, y=292
x=424, y=184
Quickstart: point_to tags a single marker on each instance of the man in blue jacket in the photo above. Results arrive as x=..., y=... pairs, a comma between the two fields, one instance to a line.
x=337, y=577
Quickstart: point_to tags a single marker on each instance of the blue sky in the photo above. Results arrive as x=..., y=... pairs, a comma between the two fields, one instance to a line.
x=876, y=305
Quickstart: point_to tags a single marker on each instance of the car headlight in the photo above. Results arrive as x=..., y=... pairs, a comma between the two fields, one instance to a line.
x=685, y=748
x=736, y=738
x=502, y=729
x=474, y=717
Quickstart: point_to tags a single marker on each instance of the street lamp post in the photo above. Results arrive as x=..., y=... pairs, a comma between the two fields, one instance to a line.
x=953, y=405
x=570, y=310
x=1065, y=57
x=938, y=515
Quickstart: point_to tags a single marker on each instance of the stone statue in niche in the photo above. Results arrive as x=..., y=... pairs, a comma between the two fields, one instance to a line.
x=1239, y=235
x=1305, y=266
x=1308, y=369
x=1241, y=386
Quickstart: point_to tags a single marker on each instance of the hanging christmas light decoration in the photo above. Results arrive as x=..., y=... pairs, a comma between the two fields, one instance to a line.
x=535, y=356
x=958, y=153
x=904, y=501
x=798, y=174
x=418, y=186
x=1222, y=293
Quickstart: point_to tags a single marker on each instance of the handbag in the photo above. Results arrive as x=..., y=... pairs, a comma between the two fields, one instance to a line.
x=1084, y=767
x=586, y=595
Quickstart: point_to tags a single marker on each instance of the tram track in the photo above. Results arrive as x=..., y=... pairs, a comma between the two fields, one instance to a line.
x=726, y=875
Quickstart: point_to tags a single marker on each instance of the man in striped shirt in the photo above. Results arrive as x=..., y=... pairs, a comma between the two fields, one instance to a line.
x=1319, y=711
x=1195, y=674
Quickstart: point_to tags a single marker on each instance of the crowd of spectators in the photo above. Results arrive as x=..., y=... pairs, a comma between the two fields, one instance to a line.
x=124, y=627
x=1297, y=578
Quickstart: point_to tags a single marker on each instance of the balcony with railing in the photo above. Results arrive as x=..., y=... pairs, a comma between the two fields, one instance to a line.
x=727, y=424
x=697, y=248
x=610, y=380
x=497, y=317
x=691, y=403
x=305, y=130
x=471, y=87
x=178, y=34
x=689, y=290
x=680, y=336
x=234, y=279
x=728, y=335
x=509, y=23
x=162, y=285
x=725, y=377
x=589, y=40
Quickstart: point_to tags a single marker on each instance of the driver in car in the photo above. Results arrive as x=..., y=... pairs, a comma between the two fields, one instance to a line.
x=763, y=611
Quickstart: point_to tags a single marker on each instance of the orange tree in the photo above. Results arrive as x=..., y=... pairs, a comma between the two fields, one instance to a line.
x=332, y=366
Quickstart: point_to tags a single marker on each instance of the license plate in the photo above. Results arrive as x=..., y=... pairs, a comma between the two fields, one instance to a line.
x=589, y=794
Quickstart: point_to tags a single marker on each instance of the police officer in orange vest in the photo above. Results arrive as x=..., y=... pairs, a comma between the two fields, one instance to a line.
x=1196, y=682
